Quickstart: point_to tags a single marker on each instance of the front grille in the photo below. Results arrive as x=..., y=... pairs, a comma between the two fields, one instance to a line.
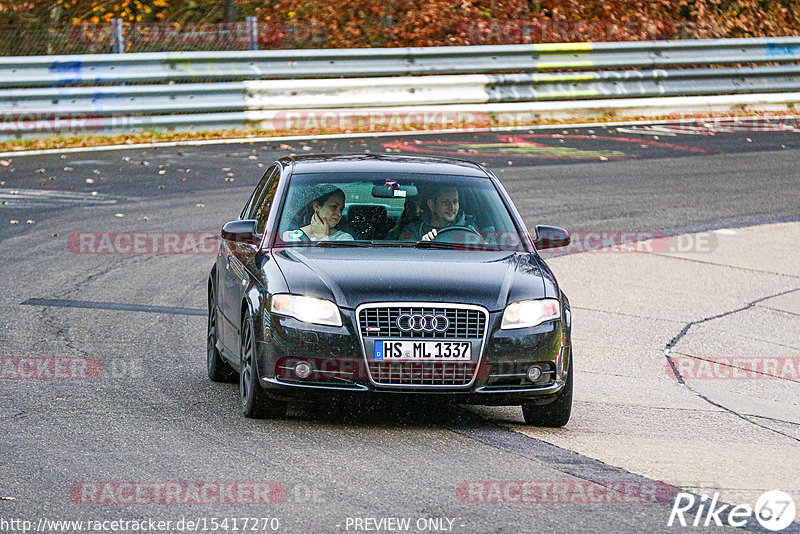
x=382, y=322
x=422, y=373
x=463, y=322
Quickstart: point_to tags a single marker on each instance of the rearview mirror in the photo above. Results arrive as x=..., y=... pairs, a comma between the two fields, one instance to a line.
x=394, y=191
x=241, y=232
x=550, y=237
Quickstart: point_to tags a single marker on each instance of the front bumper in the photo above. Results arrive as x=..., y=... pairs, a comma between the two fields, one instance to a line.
x=339, y=367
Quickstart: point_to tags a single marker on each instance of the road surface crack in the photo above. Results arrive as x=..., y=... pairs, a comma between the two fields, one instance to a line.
x=668, y=349
x=736, y=267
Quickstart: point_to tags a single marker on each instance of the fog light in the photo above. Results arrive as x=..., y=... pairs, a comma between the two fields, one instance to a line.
x=302, y=370
x=534, y=373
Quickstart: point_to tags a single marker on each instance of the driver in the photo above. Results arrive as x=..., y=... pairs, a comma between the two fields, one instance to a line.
x=442, y=212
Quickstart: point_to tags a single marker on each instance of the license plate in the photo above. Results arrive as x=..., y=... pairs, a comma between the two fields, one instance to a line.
x=423, y=350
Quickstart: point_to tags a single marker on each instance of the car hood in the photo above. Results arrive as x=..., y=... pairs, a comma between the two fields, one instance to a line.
x=354, y=276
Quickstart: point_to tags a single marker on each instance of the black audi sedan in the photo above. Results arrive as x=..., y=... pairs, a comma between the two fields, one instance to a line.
x=366, y=276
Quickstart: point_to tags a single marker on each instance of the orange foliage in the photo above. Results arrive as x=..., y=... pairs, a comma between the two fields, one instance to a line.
x=397, y=23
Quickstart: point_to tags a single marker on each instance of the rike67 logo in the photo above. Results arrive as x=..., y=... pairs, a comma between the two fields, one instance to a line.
x=774, y=510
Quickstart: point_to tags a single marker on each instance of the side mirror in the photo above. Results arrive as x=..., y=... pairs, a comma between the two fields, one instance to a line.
x=550, y=237
x=243, y=232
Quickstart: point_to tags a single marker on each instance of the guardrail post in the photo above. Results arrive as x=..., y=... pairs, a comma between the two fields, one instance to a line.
x=118, y=36
x=252, y=33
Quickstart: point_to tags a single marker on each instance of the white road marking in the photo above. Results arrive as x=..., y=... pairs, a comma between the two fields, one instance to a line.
x=648, y=130
x=31, y=198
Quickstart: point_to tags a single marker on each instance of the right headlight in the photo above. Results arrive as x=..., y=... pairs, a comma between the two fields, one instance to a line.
x=307, y=309
x=528, y=313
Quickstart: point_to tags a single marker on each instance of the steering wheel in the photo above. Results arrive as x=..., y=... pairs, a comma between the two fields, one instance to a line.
x=449, y=229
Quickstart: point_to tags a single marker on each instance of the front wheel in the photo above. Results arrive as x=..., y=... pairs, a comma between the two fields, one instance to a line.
x=556, y=414
x=256, y=404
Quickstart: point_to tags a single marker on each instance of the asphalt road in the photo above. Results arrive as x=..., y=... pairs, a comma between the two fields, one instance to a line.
x=153, y=416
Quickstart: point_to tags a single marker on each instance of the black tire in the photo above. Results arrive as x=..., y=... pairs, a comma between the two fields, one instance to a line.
x=554, y=415
x=256, y=404
x=218, y=369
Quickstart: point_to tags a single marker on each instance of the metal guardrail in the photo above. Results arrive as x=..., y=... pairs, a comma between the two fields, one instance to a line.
x=648, y=83
x=284, y=64
x=95, y=87
x=399, y=91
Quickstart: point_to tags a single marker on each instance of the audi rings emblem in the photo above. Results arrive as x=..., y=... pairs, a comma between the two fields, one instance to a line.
x=422, y=323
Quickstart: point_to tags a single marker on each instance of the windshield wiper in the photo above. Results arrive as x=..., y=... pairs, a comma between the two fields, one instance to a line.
x=392, y=243
x=364, y=244
x=439, y=245
x=344, y=244
x=472, y=247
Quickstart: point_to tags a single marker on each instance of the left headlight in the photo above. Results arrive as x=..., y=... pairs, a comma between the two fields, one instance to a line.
x=307, y=309
x=528, y=313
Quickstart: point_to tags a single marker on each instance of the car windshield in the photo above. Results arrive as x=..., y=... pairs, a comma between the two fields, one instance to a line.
x=396, y=209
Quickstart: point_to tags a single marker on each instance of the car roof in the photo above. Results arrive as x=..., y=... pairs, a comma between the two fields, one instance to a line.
x=383, y=163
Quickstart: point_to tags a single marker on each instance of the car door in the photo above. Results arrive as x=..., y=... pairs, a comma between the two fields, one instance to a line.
x=237, y=260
